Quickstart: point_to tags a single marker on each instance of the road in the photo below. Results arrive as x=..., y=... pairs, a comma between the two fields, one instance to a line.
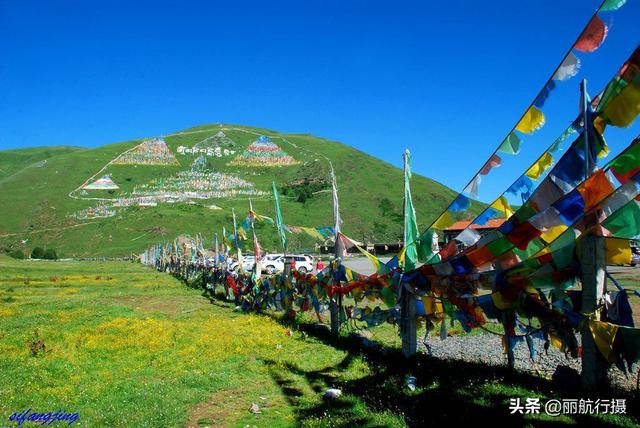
x=362, y=264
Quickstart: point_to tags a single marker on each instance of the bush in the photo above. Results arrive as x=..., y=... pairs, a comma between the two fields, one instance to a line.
x=17, y=254
x=50, y=254
x=37, y=253
x=303, y=189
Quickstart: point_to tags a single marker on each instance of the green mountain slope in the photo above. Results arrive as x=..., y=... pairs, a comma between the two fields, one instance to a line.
x=47, y=206
x=12, y=161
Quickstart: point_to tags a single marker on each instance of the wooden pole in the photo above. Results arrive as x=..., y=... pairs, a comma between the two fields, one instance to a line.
x=593, y=264
x=592, y=260
x=508, y=323
x=408, y=331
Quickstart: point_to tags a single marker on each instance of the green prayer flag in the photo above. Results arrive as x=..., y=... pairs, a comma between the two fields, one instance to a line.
x=630, y=343
x=500, y=246
x=611, y=5
x=279, y=222
x=533, y=247
x=510, y=145
x=625, y=223
x=563, y=257
x=424, y=245
x=525, y=212
x=389, y=297
x=628, y=161
x=410, y=225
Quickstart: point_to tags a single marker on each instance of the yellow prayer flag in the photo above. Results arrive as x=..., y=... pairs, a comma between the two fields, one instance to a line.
x=542, y=252
x=552, y=233
x=499, y=302
x=532, y=120
x=401, y=255
x=444, y=221
x=599, y=124
x=604, y=334
x=357, y=294
x=376, y=262
x=556, y=342
x=624, y=107
x=540, y=166
x=432, y=307
x=617, y=251
x=503, y=206
x=313, y=232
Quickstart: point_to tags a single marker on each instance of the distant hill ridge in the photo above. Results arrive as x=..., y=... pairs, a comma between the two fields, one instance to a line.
x=189, y=182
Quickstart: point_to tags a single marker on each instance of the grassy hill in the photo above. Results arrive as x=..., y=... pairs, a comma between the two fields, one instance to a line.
x=13, y=161
x=41, y=201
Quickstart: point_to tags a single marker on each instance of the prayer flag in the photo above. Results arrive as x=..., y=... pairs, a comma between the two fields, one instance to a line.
x=532, y=120
x=411, y=233
x=279, y=222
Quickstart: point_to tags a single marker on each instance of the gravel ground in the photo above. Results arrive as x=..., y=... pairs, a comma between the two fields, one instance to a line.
x=487, y=348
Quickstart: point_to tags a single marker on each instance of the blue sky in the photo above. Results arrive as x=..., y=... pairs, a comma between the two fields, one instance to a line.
x=447, y=80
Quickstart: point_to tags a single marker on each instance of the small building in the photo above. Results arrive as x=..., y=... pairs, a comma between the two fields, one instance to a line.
x=452, y=231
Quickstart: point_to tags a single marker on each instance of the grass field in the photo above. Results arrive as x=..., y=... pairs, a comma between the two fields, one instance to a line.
x=126, y=346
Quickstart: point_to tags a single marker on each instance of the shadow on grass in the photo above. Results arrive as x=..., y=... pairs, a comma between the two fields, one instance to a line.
x=451, y=392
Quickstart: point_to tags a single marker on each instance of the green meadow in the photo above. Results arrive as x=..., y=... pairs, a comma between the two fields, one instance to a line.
x=123, y=345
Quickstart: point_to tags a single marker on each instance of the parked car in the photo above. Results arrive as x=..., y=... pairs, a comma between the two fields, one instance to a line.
x=247, y=263
x=269, y=257
x=303, y=263
x=635, y=255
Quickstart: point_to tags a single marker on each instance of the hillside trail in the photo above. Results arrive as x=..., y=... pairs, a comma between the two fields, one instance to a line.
x=28, y=232
x=31, y=165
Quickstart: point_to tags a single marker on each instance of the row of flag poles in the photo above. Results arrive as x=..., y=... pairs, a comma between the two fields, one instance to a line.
x=556, y=210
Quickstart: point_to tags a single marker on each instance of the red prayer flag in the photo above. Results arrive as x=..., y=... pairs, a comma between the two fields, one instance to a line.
x=592, y=36
x=522, y=234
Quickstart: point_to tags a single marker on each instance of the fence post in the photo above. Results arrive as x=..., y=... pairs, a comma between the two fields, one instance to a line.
x=335, y=302
x=508, y=324
x=408, y=330
x=335, y=316
x=592, y=261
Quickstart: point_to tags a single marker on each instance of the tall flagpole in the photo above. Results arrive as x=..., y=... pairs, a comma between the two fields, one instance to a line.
x=225, y=266
x=338, y=247
x=215, y=250
x=407, y=301
x=585, y=127
x=280, y=226
x=224, y=240
x=257, y=255
x=237, y=238
x=335, y=308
